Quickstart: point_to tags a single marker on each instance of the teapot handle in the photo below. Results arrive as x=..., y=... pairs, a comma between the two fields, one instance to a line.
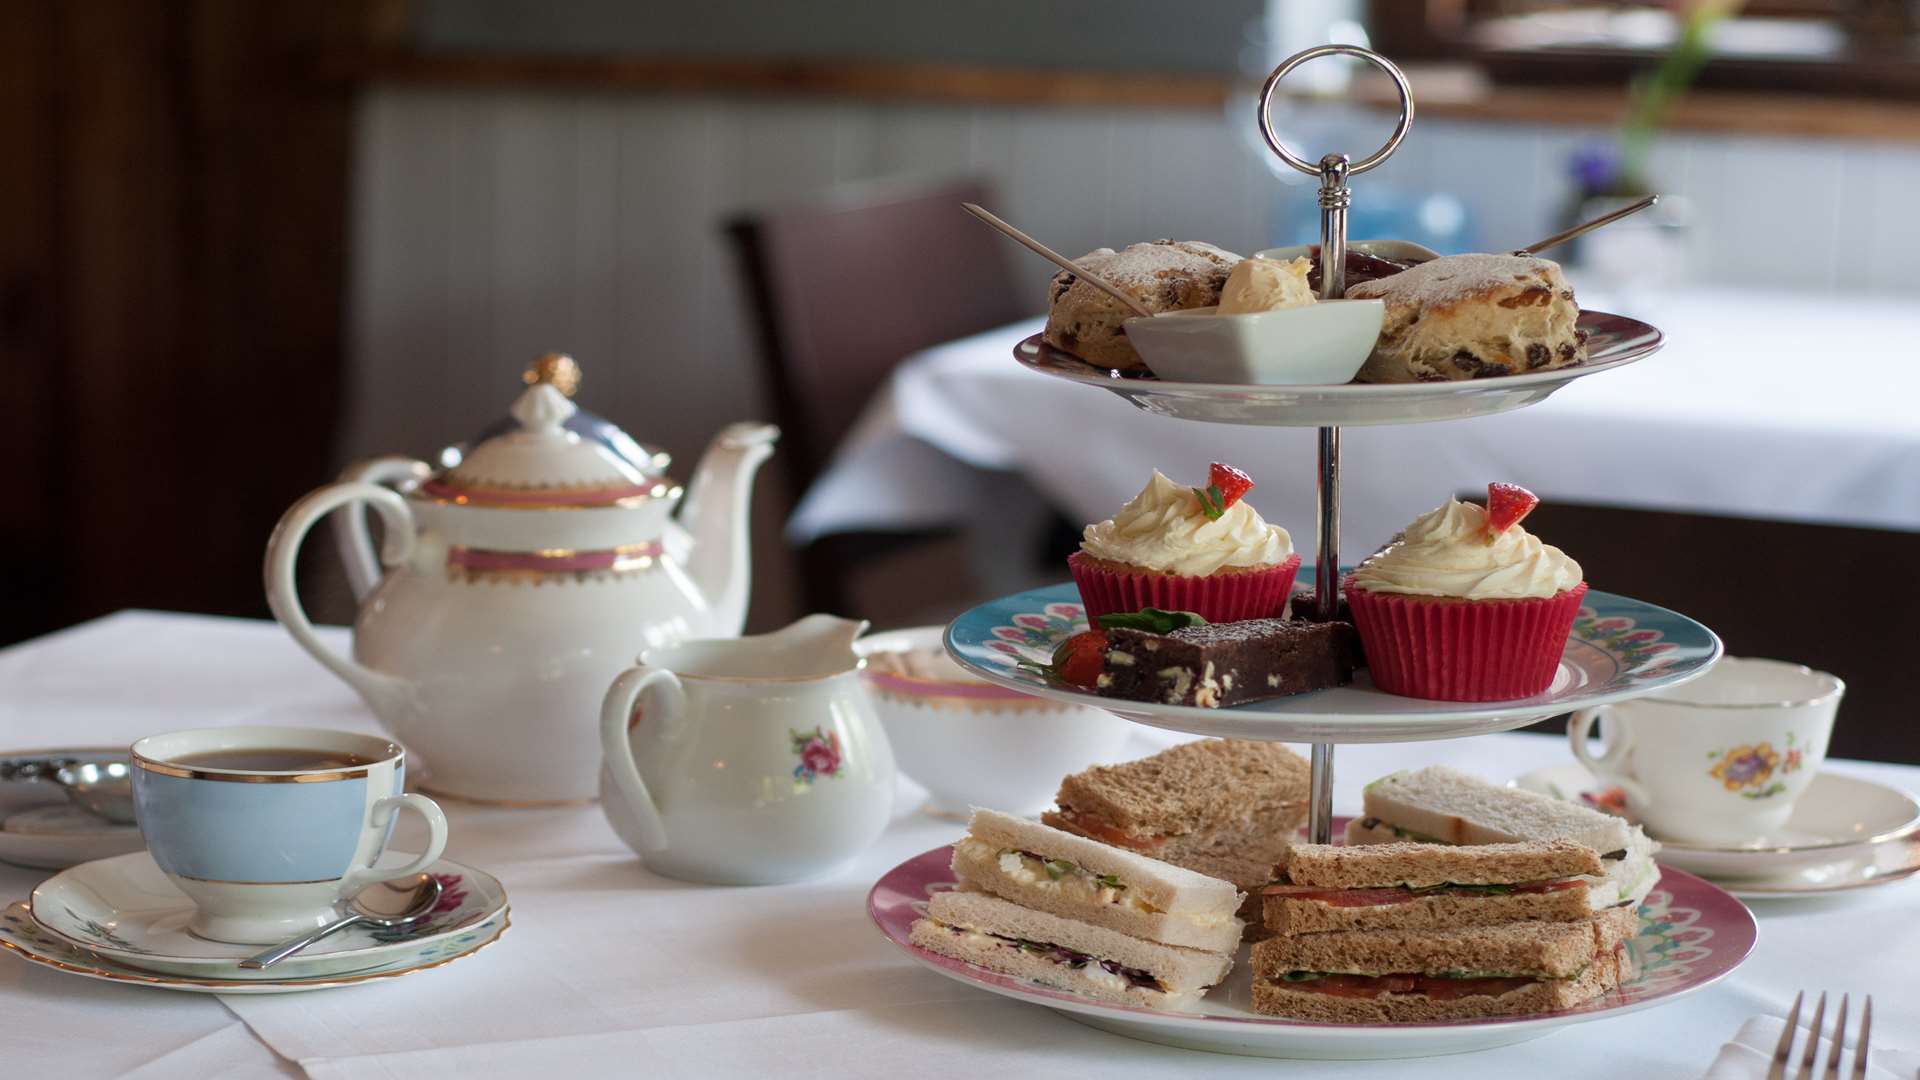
x=659, y=692
x=350, y=525
x=283, y=548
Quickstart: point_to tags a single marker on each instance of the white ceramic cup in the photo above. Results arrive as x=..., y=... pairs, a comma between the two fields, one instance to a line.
x=268, y=855
x=1720, y=760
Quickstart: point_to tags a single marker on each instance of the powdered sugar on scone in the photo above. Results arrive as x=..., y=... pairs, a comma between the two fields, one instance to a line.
x=1473, y=316
x=1164, y=275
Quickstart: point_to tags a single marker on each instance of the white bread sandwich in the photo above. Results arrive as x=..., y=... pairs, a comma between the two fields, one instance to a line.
x=1226, y=808
x=1425, y=976
x=1066, y=954
x=1404, y=886
x=1057, y=872
x=1439, y=805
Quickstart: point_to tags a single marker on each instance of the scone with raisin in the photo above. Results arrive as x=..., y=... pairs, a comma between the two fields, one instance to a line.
x=1165, y=275
x=1472, y=317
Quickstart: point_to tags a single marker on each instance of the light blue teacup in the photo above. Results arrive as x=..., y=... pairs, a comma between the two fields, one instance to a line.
x=267, y=829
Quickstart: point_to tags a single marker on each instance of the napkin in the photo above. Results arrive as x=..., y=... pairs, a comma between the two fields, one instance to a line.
x=1751, y=1052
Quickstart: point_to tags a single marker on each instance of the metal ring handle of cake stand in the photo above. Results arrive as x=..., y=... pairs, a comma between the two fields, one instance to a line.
x=1334, y=170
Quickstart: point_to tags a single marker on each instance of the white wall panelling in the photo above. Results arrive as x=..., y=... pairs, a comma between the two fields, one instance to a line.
x=493, y=225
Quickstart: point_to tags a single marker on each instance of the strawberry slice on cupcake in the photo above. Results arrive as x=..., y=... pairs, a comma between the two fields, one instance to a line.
x=1177, y=547
x=1507, y=505
x=1467, y=605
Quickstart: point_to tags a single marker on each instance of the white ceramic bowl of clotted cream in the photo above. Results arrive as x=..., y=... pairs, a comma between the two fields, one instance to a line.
x=1320, y=344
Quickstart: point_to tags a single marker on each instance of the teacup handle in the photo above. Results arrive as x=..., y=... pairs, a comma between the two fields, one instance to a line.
x=665, y=702
x=380, y=817
x=1616, y=748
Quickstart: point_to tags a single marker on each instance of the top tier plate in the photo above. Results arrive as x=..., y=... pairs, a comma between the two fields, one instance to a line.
x=1613, y=341
x=1620, y=648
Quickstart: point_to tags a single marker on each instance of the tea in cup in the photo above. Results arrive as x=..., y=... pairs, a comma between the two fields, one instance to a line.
x=1720, y=760
x=267, y=829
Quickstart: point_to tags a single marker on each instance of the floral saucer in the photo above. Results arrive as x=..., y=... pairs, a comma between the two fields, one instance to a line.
x=27, y=939
x=124, y=910
x=1845, y=833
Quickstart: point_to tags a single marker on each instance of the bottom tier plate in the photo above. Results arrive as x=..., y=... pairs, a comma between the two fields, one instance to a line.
x=1620, y=648
x=1692, y=934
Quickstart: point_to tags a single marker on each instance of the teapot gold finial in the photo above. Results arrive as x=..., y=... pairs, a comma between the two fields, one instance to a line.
x=556, y=368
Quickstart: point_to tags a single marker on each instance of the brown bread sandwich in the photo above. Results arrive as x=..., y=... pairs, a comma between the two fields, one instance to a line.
x=1428, y=886
x=1227, y=808
x=1423, y=976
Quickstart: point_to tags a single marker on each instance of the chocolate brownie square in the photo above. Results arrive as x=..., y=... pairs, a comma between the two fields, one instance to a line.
x=1223, y=664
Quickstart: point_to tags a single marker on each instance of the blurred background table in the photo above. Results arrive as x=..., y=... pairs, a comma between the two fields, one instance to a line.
x=1760, y=473
x=610, y=970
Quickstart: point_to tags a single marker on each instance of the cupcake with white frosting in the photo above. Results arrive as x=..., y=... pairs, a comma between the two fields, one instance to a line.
x=1180, y=548
x=1467, y=605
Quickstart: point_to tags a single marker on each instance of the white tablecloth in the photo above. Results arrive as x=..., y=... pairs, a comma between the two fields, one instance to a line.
x=609, y=970
x=1791, y=407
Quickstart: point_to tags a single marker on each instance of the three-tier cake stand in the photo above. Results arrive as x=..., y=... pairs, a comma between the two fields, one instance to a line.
x=1620, y=648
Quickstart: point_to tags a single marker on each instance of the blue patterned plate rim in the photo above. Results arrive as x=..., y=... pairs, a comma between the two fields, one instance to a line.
x=1646, y=647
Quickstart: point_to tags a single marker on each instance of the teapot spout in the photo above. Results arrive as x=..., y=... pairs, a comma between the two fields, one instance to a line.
x=716, y=515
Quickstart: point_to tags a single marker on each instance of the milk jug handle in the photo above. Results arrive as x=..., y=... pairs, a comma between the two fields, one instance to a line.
x=662, y=701
x=283, y=550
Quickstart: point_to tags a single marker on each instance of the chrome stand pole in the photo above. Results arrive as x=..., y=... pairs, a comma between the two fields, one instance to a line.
x=1335, y=197
x=1334, y=170
x=1320, y=809
x=1326, y=590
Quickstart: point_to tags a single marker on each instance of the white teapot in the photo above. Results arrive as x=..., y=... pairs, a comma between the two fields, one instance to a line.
x=519, y=580
x=749, y=761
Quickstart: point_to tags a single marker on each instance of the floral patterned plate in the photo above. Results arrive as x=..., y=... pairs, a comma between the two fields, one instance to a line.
x=1846, y=832
x=1692, y=934
x=27, y=939
x=1620, y=648
x=124, y=910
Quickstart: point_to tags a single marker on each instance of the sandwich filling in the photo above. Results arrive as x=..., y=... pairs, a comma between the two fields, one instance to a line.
x=1438, y=986
x=1074, y=881
x=1630, y=870
x=1092, y=826
x=1400, y=833
x=1116, y=976
x=1422, y=838
x=1068, y=878
x=1400, y=894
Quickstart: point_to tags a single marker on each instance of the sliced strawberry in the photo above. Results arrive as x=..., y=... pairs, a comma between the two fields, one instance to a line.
x=1079, y=660
x=1225, y=486
x=1231, y=481
x=1506, y=505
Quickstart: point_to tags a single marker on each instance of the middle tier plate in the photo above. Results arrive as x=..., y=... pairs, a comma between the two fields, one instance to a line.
x=1620, y=648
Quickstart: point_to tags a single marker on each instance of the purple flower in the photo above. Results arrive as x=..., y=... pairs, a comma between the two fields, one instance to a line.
x=1596, y=167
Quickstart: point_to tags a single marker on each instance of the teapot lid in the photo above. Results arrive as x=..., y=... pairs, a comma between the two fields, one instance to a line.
x=551, y=454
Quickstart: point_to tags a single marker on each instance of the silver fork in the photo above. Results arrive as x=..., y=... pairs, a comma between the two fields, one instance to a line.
x=1783, y=1053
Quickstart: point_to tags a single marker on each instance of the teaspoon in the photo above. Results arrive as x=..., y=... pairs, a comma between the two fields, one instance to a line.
x=1059, y=260
x=385, y=905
